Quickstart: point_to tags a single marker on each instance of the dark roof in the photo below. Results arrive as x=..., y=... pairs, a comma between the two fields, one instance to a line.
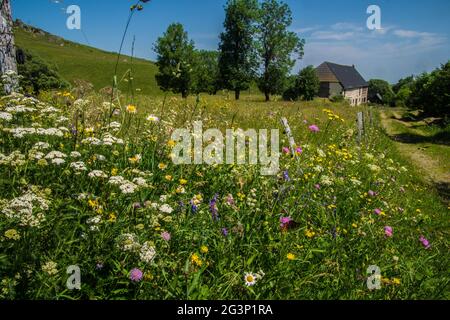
x=348, y=76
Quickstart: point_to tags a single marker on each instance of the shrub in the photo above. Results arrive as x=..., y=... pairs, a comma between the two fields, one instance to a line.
x=383, y=89
x=37, y=75
x=337, y=98
x=430, y=92
x=306, y=86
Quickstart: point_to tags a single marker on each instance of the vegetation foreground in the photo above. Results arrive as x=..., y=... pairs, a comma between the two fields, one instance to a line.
x=79, y=189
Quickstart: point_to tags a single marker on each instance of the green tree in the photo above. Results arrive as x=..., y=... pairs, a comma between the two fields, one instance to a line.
x=308, y=83
x=175, y=58
x=238, y=57
x=206, y=72
x=383, y=89
x=276, y=46
x=37, y=75
x=402, y=96
x=408, y=81
x=305, y=86
x=431, y=93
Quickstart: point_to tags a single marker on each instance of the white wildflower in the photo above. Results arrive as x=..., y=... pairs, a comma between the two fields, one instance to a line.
x=165, y=208
x=147, y=253
x=97, y=174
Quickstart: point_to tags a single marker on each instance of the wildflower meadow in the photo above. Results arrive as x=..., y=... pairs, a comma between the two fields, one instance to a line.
x=92, y=184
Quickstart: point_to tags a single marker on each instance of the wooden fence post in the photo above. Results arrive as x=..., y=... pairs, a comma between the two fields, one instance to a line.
x=360, y=120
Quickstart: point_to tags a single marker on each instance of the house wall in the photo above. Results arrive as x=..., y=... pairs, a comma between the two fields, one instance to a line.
x=330, y=89
x=357, y=96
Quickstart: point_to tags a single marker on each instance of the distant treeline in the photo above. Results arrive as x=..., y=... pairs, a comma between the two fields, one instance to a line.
x=255, y=47
x=429, y=92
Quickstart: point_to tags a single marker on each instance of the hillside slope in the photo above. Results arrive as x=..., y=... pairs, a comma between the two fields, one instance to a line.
x=76, y=61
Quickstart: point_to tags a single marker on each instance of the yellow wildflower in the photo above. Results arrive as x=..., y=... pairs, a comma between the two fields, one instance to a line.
x=204, y=249
x=12, y=234
x=131, y=109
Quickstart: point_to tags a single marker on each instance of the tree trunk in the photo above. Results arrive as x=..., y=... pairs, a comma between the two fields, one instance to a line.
x=237, y=94
x=7, y=49
x=184, y=94
x=267, y=96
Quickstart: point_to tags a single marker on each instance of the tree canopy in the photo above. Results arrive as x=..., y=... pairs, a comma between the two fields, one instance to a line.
x=238, y=58
x=175, y=60
x=276, y=46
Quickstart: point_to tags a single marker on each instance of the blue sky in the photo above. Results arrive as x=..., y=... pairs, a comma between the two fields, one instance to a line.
x=415, y=35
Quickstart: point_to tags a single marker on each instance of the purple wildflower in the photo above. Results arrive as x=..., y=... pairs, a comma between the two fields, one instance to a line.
x=425, y=242
x=377, y=211
x=284, y=221
x=314, y=128
x=136, y=275
x=388, y=231
x=166, y=236
x=225, y=232
x=286, y=176
x=372, y=193
x=213, y=208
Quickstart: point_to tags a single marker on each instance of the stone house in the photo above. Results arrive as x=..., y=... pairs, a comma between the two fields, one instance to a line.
x=336, y=79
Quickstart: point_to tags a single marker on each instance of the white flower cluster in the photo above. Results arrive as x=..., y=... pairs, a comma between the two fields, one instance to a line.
x=97, y=174
x=20, y=109
x=56, y=157
x=108, y=140
x=128, y=187
x=94, y=223
x=24, y=209
x=75, y=154
x=15, y=159
x=114, y=126
x=50, y=132
x=6, y=116
x=165, y=208
x=147, y=253
x=78, y=167
x=41, y=146
x=128, y=242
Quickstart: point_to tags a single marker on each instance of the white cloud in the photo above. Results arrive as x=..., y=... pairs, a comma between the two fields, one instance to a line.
x=304, y=30
x=332, y=35
x=346, y=26
x=389, y=53
x=411, y=34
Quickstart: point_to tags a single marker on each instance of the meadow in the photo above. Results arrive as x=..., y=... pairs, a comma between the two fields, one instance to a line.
x=89, y=183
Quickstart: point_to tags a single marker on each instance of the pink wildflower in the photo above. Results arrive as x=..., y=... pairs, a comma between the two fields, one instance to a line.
x=388, y=231
x=425, y=242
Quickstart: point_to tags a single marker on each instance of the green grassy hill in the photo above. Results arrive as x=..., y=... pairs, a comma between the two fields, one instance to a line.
x=75, y=61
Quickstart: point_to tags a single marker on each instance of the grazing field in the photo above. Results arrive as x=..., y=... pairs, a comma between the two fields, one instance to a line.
x=82, y=188
x=75, y=61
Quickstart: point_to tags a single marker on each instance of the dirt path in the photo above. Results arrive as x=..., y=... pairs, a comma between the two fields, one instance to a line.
x=430, y=167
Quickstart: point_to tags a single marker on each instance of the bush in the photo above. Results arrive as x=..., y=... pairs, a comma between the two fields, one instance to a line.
x=383, y=89
x=431, y=93
x=337, y=98
x=402, y=96
x=306, y=86
x=37, y=75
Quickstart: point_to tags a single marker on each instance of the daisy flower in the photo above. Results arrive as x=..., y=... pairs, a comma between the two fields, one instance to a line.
x=250, y=279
